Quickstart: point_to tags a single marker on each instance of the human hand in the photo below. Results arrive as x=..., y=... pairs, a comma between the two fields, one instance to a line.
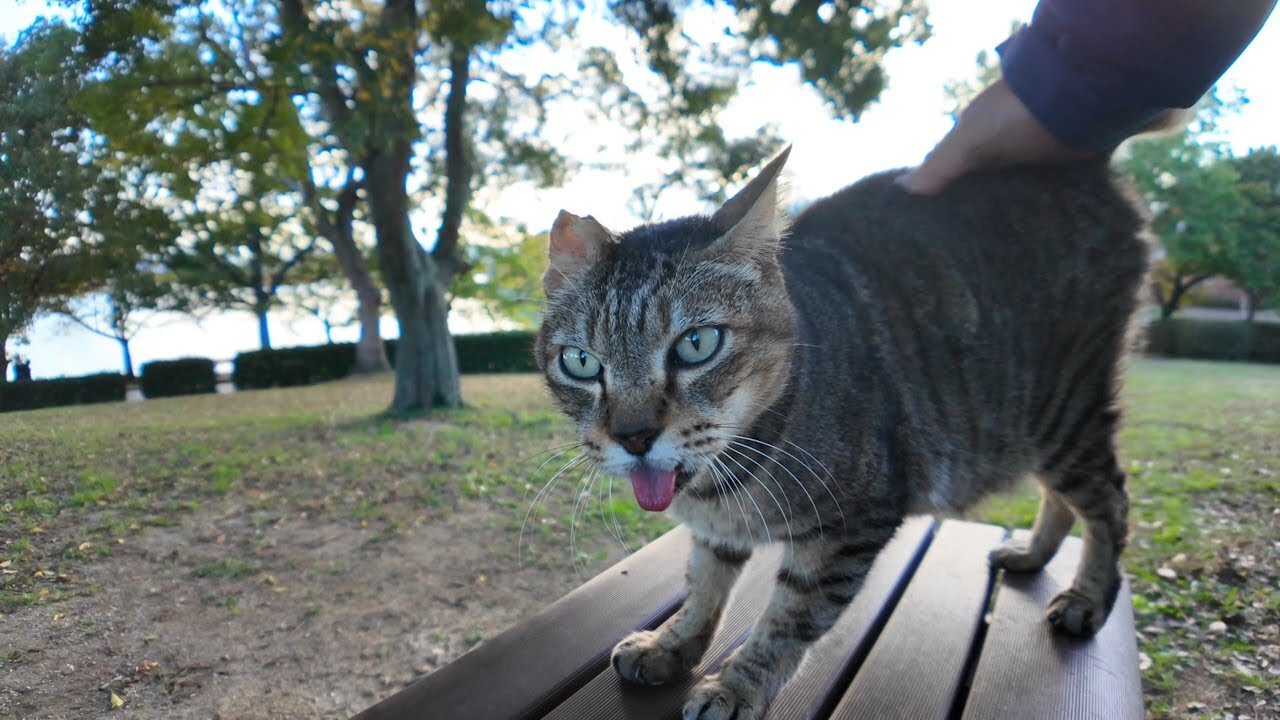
x=995, y=131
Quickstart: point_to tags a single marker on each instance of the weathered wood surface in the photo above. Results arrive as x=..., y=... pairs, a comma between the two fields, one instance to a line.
x=1026, y=671
x=932, y=635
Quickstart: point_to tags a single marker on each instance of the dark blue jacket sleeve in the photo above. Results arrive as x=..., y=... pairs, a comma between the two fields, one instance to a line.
x=1093, y=72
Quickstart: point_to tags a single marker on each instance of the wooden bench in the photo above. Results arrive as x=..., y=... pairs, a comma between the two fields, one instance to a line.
x=931, y=635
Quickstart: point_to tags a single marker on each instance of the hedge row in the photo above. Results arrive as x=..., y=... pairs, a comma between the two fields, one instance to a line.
x=484, y=353
x=32, y=394
x=1215, y=340
x=187, y=376
x=287, y=367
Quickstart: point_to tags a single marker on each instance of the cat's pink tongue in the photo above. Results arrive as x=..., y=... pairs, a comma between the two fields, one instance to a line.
x=654, y=488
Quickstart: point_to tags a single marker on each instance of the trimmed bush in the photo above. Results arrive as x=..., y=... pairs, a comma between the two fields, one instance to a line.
x=1215, y=340
x=1266, y=343
x=287, y=367
x=188, y=376
x=32, y=394
x=307, y=364
x=497, y=352
x=254, y=370
x=501, y=352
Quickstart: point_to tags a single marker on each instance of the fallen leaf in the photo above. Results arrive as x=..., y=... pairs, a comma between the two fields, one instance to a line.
x=58, y=616
x=117, y=702
x=84, y=546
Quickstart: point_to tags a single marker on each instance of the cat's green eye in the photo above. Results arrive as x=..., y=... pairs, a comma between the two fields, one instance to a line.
x=579, y=363
x=697, y=345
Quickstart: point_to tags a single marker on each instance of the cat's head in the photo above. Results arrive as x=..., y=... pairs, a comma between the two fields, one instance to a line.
x=663, y=342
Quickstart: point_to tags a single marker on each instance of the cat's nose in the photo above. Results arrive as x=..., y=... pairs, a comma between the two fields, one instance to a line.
x=636, y=440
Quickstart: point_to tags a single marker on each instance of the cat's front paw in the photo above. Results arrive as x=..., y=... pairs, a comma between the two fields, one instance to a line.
x=641, y=659
x=713, y=699
x=1073, y=613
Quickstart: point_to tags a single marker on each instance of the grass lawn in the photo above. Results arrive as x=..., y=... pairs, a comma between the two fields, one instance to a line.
x=1202, y=445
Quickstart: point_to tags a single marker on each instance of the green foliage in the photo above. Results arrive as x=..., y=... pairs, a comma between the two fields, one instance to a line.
x=1195, y=198
x=53, y=190
x=1215, y=340
x=506, y=278
x=32, y=394
x=1255, y=264
x=186, y=376
x=839, y=46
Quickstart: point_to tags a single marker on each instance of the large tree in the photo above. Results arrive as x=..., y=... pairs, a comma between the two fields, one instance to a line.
x=52, y=188
x=1195, y=201
x=204, y=94
x=1255, y=262
x=437, y=98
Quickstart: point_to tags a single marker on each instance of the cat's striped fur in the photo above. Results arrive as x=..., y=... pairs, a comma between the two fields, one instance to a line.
x=892, y=354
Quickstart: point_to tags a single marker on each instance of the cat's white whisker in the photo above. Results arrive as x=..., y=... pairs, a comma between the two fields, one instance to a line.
x=579, y=504
x=542, y=494
x=816, y=514
x=785, y=515
x=614, y=516
x=725, y=487
x=806, y=466
x=768, y=536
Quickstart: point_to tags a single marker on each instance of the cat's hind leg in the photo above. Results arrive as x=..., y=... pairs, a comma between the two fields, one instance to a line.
x=657, y=657
x=1053, y=522
x=1095, y=490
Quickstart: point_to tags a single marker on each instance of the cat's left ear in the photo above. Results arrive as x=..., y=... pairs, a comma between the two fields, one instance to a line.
x=573, y=245
x=749, y=223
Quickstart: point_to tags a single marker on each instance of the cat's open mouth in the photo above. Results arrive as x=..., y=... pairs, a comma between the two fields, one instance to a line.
x=655, y=488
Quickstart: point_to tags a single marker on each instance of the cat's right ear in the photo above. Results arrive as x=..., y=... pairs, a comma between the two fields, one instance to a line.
x=750, y=223
x=573, y=245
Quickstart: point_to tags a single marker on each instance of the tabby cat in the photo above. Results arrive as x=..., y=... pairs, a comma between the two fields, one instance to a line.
x=887, y=355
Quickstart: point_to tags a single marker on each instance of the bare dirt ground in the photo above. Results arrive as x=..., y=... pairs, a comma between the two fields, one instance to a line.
x=331, y=619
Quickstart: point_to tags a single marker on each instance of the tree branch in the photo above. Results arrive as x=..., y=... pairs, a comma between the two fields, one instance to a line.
x=457, y=164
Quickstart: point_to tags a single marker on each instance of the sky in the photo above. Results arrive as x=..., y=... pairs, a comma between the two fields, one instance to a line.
x=897, y=131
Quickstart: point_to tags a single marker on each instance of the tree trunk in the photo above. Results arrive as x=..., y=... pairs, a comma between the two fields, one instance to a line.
x=1252, y=310
x=426, y=364
x=338, y=228
x=371, y=356
x=264, y=332
x=128, y=357
x=1181, y=285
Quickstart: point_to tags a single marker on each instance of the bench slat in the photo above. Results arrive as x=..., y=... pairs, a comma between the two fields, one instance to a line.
x=608, y=698
x=830, y=661
x=920, y=657
x=530, y=667
x=1027, y=671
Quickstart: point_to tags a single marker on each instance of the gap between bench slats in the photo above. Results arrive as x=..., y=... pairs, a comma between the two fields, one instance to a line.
x=606, y=697
x=919, y=660
x=1026, y=672
x=542, y=660
x=833, y=659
